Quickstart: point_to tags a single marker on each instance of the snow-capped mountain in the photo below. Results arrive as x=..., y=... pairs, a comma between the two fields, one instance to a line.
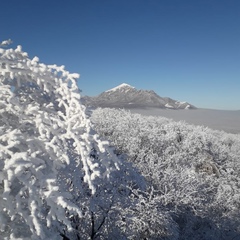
x=126, y=96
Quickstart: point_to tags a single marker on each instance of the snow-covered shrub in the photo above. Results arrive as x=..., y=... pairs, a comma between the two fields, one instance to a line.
x=194, y=170
x=47, y=170
x=147, y=219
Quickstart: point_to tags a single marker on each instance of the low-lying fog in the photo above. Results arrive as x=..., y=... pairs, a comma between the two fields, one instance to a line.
x=228, y=121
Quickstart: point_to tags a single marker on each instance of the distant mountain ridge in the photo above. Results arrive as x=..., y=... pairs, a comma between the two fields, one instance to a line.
x=126, y=96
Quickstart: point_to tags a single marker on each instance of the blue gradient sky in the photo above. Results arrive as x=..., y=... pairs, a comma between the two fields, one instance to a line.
x=188, y=50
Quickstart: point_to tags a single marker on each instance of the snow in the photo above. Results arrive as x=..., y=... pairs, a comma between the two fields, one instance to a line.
x=123, y=85
x=6, y=42
x=168, y=106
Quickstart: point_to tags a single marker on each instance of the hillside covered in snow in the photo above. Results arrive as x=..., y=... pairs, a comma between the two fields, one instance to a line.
x=193, y=172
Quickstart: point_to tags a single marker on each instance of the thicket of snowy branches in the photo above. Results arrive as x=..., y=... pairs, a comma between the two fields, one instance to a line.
x=194, y=171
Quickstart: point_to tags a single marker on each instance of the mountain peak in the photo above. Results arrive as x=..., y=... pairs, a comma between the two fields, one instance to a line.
x=126, y=96
x=121, y=86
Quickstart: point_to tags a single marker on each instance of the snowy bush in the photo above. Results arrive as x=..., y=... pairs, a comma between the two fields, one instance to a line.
x=48, y=174
x=194, y=170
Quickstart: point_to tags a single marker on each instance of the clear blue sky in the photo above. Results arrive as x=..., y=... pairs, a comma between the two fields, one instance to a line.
x=188, y=50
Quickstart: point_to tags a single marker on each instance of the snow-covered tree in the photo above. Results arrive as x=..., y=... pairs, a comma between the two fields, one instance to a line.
x=47, y=168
